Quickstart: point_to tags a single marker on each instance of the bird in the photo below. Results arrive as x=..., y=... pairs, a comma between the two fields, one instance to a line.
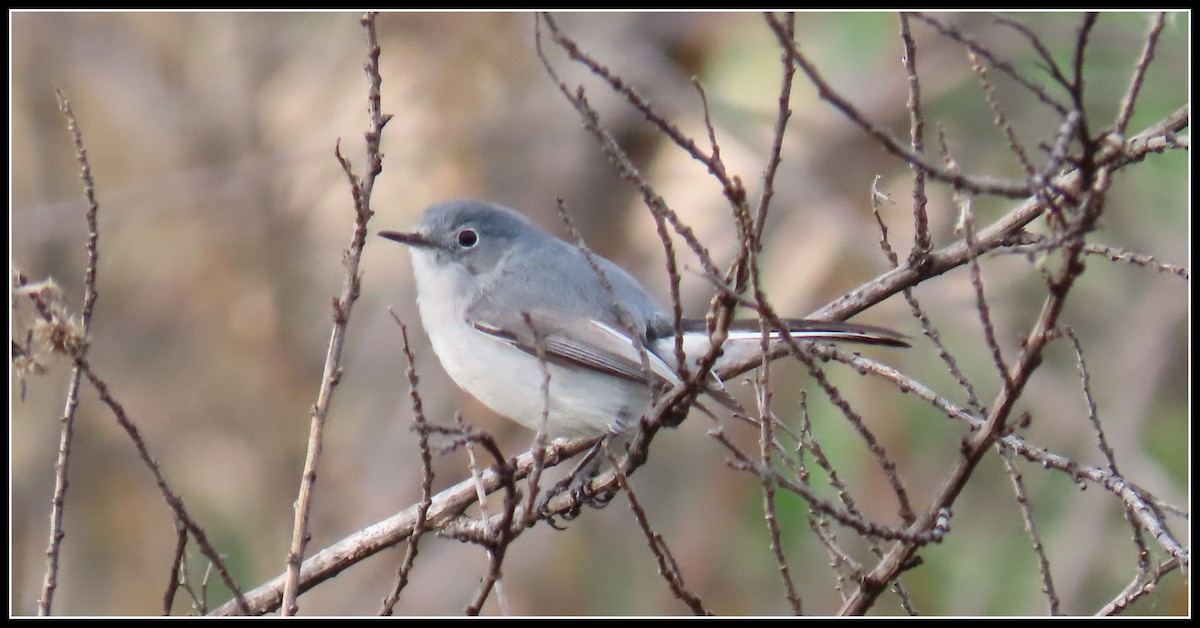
x=509, y=308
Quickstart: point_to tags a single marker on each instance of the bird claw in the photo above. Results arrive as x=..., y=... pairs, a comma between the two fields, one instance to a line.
x=578, y=486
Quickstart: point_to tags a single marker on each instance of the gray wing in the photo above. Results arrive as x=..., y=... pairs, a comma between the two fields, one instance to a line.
x=571, y=312
x=580, y=342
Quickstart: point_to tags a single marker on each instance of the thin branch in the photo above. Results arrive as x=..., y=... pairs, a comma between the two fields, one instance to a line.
x=998, y=234
x=730, y=185
x=922, y=240
x=777, y=135
x=752, y=242
x=498, y=531
x=1039, y=549
x=66, y=433
x=540, y=439
x=667, y=567
x=1096, y=183
x=612, y=149
x=64, y=335
x=1118, y=254
x=849, y=519
x=1143, y=584
x=1036, y=242
x=999, y=119
x=173, y=500
x=1004, y=66
x=967, y=221
x=918, y=312
x=420, y=426
x=177, y=566
x=1125, y=111
x=977, y=185
x=1085, y=378
x=1146, y=508
x=361, y=189
x=199, y=598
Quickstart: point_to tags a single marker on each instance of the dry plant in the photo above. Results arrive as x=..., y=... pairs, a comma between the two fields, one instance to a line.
x=1053, y=222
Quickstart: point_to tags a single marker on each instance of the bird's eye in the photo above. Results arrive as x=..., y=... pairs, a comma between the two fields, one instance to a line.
x=467, y=238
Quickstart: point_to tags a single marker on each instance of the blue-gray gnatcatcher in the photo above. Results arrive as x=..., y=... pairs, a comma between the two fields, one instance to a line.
x=495, y=292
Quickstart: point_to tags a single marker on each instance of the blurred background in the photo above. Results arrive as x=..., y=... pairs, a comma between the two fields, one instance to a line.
x=224, y=216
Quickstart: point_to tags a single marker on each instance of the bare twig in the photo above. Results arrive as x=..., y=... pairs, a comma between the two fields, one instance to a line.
x=1085, y=378
x=1145, y=508
x=1094, y=185
x=69, y=337
x=999, y=233
x=1143, y=584
x=1036, y=242
x=667, y=567
x=177, y=565
x=420, y=426
x=173, y=500
x=66, y=434
x=967, y=222
x=977, y=185
x=915, y=307
x=1000, y=119
x=874, y=446
x=752, y=232
x=922, y=240
x=498, y=531
x=1005, y=67
x=1039, y=549
x=778, y=133
x=1125, y=112
x=539, y=439
x=729, y=184
x=361, y=189
x=609, y=145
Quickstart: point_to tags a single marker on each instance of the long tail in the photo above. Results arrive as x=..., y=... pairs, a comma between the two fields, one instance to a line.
x=809, y=329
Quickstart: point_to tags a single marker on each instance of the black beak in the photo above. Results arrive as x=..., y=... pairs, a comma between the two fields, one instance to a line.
x=412, y=239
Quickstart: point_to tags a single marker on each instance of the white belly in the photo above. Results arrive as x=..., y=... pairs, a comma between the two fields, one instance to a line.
x=582, y=403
